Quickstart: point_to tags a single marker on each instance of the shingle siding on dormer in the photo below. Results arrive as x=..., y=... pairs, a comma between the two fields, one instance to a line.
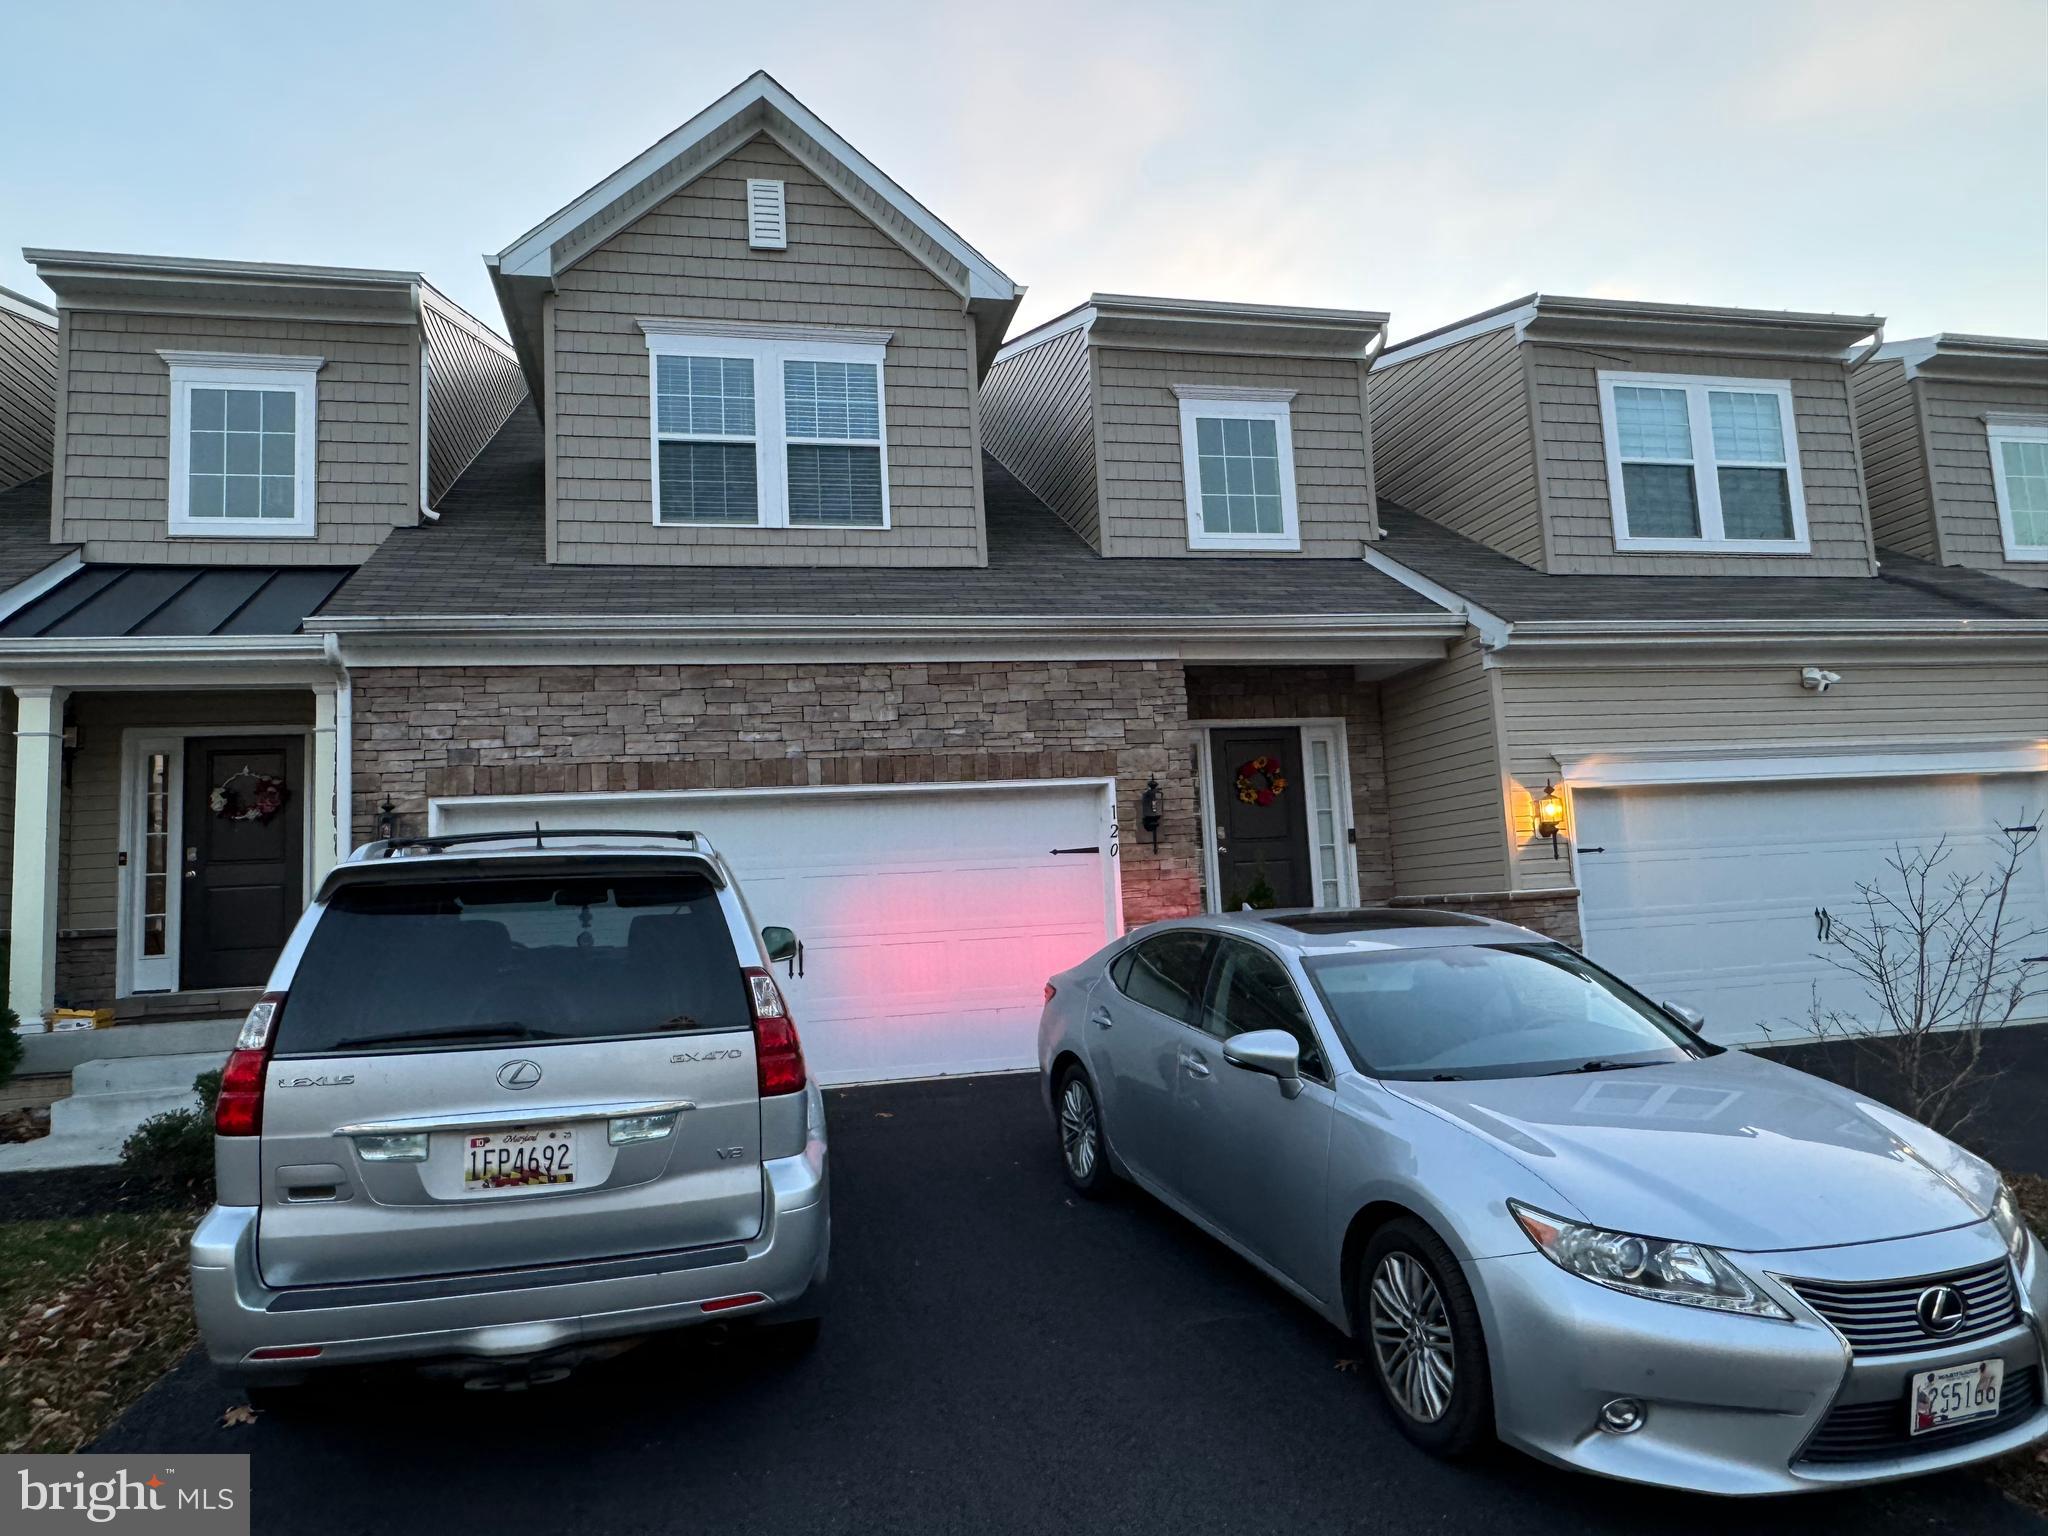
x=28, y=397
x=1573, y=457
x=688, y=258
x=1038, y=420
x=1959, y=467
x=1892, y=434
x=114, y=493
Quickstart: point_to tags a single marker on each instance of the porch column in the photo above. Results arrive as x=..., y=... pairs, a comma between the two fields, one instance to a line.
x=326, y=791
x=38, y=824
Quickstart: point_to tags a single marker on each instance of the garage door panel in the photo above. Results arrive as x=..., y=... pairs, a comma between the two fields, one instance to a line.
x=930, y=917
x=1708, y=893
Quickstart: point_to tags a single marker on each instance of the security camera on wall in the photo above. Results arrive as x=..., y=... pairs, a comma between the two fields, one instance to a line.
x=1818, y=679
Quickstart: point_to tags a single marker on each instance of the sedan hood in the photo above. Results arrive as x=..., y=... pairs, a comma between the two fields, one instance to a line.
x=1732, y=1150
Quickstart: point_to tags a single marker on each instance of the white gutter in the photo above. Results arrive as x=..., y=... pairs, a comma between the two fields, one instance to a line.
x=87, y=650
x=869, y=627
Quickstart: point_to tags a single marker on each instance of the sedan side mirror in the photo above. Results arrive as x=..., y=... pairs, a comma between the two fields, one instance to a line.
x=1690, y=1017
x=781, y=945
x=1272, y=1051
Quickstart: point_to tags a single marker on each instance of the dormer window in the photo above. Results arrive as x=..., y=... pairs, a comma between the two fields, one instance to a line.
x=2019, y=478
x=1237, y=464
x=243, y=445
x=1702, y=464
x=768, y=426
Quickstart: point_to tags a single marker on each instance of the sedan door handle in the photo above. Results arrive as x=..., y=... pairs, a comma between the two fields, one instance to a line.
x=1100, y=1018
x=1195, y=1065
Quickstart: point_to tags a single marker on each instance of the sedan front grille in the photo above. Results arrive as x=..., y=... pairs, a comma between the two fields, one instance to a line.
x=1878, y=1432
x=1881, y=1317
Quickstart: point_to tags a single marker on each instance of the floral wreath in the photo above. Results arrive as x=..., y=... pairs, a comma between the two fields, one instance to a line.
x=1260, y=781
x=263, y=799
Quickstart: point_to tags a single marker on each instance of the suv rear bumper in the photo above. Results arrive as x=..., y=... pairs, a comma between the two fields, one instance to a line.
x=515, y=1315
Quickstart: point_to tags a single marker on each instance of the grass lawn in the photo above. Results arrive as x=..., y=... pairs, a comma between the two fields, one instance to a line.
x=92, y=1310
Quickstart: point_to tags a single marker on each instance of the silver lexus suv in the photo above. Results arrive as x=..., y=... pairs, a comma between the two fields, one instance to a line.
x=512, y=1101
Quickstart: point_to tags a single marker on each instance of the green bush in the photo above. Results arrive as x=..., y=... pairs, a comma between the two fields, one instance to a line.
x=10, y=1046
x=176, y=1147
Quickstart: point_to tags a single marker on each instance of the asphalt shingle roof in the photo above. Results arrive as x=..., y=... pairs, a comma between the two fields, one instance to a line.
x=25, y=546
x=487, y=556
x=1905, y=588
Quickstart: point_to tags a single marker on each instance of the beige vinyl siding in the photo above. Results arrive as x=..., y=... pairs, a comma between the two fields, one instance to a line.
x=688, y=258
x=1573, y=456
x=28, y=397
x=1443, y=779
x=475, y=385
x=1038, y=420
x=1888, y=431
x=1548, y=714
x=1959, y=450
x=89, y=874
x=115, y=496
x=1143, y=500
x=1452, y=440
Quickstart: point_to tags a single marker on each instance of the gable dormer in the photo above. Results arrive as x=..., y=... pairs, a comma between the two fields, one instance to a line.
x=1592, y=436
x=1954, y=433
x=1187, y=427
x=749, y=346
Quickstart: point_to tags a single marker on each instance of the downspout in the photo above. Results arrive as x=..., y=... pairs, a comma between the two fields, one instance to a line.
x=344, y=750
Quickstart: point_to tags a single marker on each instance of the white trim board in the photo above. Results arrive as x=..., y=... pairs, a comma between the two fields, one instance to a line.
x=1764, y=763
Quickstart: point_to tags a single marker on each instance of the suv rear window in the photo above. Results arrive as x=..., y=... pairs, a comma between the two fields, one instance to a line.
x=544, y=958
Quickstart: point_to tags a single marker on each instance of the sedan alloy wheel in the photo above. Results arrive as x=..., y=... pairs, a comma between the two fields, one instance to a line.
x=1411, y=1337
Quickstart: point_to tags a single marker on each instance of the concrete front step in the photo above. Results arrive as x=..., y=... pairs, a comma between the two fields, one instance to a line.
x=109, y=1098
x=114, y=1113
x=116, y=1074
x=66, y=1049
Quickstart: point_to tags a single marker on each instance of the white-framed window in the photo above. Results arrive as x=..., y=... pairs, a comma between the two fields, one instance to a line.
x=1237, y=463
x=768, y=426
x=2019, y=476
x=1703, y=464
x=244, y=443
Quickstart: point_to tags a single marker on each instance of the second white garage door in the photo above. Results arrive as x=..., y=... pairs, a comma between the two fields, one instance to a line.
x=1719, y=895
x=930, y=915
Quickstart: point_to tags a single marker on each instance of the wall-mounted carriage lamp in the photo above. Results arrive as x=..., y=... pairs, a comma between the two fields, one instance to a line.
x=1550, y=816
x=387, y=820
x=1148, y=807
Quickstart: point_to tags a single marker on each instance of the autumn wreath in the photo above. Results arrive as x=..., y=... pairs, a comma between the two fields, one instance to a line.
x=1260, y=781
x=248, y=796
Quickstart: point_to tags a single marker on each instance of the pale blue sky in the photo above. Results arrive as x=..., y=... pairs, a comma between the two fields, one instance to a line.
x=1428, y=159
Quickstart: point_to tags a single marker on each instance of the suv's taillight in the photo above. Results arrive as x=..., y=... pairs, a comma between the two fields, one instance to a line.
x=778, y=1054
x=239, y=1109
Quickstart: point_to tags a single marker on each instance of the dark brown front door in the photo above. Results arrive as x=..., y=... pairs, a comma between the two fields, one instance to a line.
x=1262, y=818
x=242, y=879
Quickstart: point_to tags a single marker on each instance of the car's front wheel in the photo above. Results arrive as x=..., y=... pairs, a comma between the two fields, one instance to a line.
x=1421, y=1325
x=1082, y=1156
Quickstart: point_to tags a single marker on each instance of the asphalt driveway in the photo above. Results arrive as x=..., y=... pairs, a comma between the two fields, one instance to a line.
x=998, y=1358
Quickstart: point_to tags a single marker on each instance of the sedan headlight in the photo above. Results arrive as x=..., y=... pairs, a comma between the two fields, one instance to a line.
x=1655, y=1268
x=2012, y=1226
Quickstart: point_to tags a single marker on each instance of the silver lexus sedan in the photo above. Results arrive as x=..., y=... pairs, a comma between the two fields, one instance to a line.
x=1548, y=1209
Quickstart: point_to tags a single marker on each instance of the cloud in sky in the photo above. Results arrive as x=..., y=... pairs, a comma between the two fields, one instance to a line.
x=1854, y=155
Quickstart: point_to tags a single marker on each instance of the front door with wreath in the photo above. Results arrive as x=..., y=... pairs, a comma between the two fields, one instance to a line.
x=1261, y=798
x=241, y=874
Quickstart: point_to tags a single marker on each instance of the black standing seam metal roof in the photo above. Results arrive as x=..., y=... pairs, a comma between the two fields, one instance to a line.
x=104, y=602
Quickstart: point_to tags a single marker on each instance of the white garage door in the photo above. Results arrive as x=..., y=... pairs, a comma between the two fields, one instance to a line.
x=1711, y=894
x=930, y=916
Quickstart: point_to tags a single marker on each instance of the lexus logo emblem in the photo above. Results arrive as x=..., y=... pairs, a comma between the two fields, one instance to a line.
x=524, y=1074
x=1940, y=1310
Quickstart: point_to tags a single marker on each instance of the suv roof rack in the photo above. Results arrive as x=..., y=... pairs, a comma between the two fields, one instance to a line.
x=395, y=845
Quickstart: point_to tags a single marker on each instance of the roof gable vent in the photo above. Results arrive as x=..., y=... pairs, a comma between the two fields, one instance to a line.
x=767, y=220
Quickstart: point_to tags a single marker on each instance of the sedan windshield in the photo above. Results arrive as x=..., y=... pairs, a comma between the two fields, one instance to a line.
x=1469, y=1011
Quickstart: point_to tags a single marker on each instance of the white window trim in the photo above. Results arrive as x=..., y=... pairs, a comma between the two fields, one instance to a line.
x=1706, y=483
x=768, y=347
x=1223, y=400
x=214, y=370
x=2000, y=429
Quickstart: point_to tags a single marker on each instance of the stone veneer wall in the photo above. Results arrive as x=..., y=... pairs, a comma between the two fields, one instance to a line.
x=426, y=732
x=1283, y=693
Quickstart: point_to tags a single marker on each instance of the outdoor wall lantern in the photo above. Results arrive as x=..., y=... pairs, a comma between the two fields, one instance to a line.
x=1148, y=807
x=387, y=820
x=1550, y=816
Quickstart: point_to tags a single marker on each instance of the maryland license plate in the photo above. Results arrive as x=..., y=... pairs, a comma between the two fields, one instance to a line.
x=1956, y=1394
x=519, y=1159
